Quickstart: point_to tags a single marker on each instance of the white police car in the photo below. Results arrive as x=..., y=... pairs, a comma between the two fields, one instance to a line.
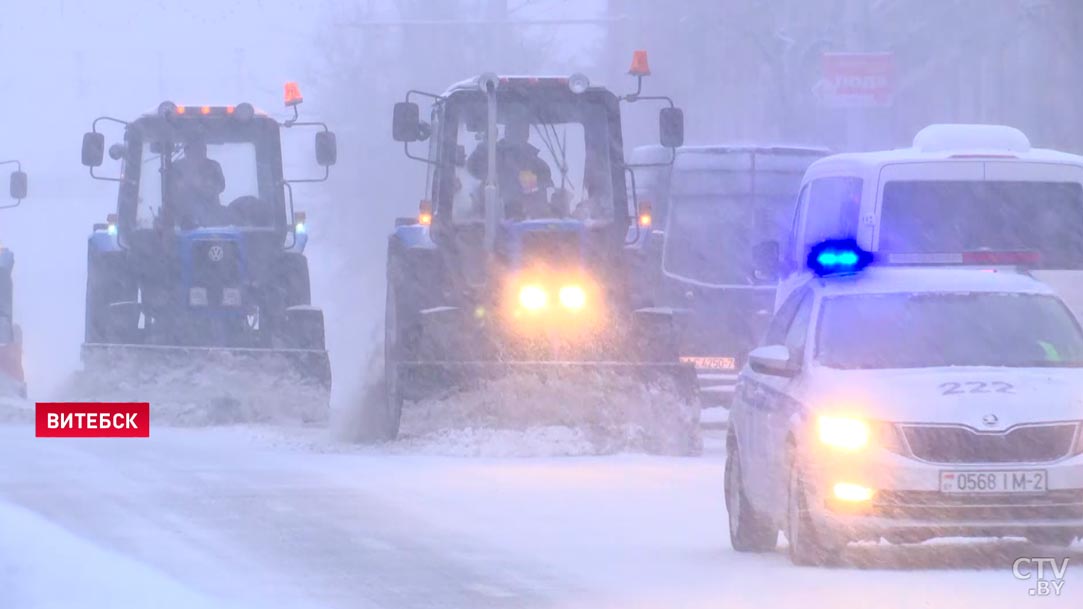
x=908, y=403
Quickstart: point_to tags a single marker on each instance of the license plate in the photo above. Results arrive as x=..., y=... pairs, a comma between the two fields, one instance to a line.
x=710, y=363
x=1004, y=481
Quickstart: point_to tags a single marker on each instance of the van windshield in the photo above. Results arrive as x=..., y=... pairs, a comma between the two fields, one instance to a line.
x=959, y=216
x=722, y=206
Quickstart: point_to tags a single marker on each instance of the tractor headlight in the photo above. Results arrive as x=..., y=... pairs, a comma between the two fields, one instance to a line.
x=197, y=297
x=843, y=433
x=533, y=297
x=573, y=297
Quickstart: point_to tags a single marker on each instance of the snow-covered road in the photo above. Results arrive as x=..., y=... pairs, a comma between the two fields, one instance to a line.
x=274, y=517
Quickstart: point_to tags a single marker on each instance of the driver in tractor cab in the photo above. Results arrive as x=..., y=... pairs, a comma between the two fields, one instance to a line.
x=523, y=178
x=196, y=182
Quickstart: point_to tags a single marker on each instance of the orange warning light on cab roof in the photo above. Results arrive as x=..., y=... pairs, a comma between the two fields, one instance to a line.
x=639, y=64
x=293, y=94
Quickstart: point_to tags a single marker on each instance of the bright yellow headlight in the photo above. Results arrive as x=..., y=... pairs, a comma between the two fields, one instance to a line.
x=573, y=297
x=843, y=433
x=854, y=493
x=533, y=297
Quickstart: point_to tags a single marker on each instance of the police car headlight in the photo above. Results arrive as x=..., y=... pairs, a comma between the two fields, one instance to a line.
x=843, y=433
x=231, y=297
x=197, y=297
x=533, y=297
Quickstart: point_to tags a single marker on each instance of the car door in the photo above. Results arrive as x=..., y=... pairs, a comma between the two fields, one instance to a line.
x=759, y=394
x=784, y=405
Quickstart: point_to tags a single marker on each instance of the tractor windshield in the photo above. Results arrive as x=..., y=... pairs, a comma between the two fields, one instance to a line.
x=552, y=159
x=196, y=183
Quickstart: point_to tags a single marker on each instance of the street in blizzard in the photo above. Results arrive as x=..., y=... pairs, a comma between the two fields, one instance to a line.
x=530, y=303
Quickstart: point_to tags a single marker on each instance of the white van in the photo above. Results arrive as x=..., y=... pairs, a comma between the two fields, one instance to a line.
x=962, y=195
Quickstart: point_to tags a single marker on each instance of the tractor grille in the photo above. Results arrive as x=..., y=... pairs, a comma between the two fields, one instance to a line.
x=215, y=264
x=559, y=248
x=1026, y=444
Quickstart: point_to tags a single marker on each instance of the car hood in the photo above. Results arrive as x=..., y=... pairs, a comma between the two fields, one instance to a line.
x=985, y=398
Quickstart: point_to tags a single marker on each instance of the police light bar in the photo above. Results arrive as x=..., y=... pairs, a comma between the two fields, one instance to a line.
x=837, y=257
x=1016, y=258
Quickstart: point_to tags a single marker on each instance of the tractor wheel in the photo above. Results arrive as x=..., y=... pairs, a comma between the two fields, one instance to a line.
x=387, y=413
x=293, y=280
x=106, y=283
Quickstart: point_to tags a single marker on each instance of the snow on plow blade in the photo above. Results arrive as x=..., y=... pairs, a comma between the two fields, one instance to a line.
x=253, y=384
x=420, y=380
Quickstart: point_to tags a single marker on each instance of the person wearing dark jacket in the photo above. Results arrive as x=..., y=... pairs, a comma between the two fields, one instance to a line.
x=522, y=177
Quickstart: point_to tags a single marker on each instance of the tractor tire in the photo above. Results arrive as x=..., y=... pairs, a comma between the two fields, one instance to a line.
x=387, y=413
x=106, y=283
x=293, y=280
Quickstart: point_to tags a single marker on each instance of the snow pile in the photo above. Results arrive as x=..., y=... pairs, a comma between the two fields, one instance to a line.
x=221, y=390
x=16, y=410
x=570, y=412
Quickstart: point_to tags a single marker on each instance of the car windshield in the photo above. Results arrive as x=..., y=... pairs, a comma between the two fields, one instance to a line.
x=959, y=216
x=722, y=206
x=552, y=159
x=947, y=329
x=218, y=188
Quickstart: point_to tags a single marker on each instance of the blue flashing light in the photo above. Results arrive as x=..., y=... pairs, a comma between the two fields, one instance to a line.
x=838, y=257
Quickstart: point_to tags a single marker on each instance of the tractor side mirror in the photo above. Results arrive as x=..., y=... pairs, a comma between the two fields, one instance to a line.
x=93, y=149
x=326, y=148
x=18, y=185
x=406, y=124
x=671, y=127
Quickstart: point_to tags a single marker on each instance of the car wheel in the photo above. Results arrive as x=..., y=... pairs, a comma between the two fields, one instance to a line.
x=1052, y=537
x=808, y=547
x=749, y=531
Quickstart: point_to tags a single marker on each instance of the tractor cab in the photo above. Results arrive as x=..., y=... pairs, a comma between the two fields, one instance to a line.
x=12, y=380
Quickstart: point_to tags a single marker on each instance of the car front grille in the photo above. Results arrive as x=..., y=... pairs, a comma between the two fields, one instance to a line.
x=1023, y=444
x=933, y=505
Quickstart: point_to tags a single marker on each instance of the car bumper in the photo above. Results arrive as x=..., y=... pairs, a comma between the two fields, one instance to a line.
x=907, y=498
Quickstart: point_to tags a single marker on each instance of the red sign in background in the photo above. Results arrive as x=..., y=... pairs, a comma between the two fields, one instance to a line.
x=857, y=80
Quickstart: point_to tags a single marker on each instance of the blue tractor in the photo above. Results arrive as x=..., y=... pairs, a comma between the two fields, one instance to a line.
x=12, y=380
x=519, y=258
x=203, y=262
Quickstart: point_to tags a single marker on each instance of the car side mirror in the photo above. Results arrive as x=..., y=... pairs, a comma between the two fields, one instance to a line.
x=93, y=149
x=17, y=185
x=406, y=123
x=765, y=259
x=775, y=360
x=671, y=127
x=326, y=148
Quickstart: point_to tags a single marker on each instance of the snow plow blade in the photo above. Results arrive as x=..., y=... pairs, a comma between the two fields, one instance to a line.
x=252, y=384
x=420, y=380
